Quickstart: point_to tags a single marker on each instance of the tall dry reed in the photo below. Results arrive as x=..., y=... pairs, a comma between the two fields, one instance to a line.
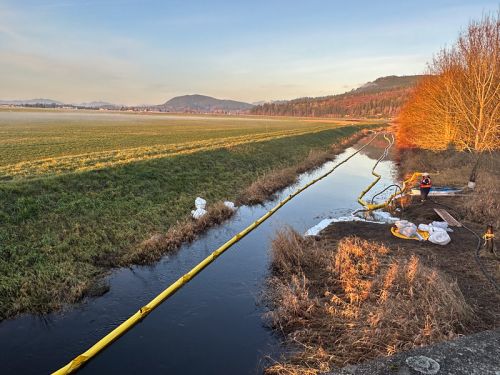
x=343, y=304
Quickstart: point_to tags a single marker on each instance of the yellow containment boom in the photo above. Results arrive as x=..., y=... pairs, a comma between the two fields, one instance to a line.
x=423, y=234
x=78, y=361
x=366, y=205
x=406, y=183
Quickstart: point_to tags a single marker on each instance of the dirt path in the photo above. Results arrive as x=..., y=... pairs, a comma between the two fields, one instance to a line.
x=456, y=259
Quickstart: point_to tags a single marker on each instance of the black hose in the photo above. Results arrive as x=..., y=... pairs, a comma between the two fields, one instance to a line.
x=384, y=154
x=392, y=185
x=478, y=249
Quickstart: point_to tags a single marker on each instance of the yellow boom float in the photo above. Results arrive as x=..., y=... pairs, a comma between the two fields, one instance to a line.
x=143, y=312
x=407, y=183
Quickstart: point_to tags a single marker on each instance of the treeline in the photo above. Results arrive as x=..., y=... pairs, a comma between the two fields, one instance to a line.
x=380, y=104
x=383, y=97
x=458, y=104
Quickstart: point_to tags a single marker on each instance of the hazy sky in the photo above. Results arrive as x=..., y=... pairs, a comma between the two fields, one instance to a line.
x=136, y=52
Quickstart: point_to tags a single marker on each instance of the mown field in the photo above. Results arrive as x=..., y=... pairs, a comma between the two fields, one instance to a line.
x=54, y=142
x=64, y=227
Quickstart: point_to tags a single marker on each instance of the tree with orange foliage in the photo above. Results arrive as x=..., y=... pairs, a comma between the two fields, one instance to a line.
x=458, y=102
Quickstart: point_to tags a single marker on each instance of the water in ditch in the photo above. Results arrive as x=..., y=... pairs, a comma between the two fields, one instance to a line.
x=211, y=326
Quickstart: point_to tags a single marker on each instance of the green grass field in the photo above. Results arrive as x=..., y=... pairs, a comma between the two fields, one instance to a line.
x=62, y=228
x=54, y=142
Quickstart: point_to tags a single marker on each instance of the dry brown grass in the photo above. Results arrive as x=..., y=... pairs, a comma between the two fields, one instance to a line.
x=347, y=304
x=315, y=158
x=268, y=184
x=448, y=167
x=483, y=205
x=184, y=231
x=453, y=168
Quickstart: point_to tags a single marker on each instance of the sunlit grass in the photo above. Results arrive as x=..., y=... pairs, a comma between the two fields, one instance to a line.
x=85, y=213
x=43, y=143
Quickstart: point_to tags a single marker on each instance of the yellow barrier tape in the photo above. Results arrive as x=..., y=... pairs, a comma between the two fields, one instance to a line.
x=78, y=361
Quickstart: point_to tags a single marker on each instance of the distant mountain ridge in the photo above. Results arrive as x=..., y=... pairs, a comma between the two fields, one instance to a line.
x=185, y=103
x=388, y=83
x=50, y=103
x=97, y=104
x=40, y=101
x=383, y=97
x=202, y=103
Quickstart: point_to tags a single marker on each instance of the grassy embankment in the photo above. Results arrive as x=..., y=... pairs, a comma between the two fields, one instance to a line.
x=343, y=301
x=62, y=228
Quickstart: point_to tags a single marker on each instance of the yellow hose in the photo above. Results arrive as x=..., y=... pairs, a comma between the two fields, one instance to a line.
x=371, y=206
x=78, y=361
x=362, y=202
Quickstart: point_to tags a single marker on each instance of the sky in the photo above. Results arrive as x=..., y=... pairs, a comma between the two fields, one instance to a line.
x=146, y=52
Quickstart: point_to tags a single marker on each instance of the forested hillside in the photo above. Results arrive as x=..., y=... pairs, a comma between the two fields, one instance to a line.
x=383, y=97
x=202, y=104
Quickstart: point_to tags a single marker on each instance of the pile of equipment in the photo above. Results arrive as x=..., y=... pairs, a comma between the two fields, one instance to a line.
x=435, y=232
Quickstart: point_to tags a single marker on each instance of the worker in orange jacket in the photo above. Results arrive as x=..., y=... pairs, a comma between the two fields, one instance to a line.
x=425, y=186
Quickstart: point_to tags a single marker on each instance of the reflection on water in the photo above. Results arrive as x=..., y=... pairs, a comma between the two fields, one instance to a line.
x=211, y=326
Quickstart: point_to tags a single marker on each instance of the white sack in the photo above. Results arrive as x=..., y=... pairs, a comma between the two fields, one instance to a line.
x=406, y=228
x=440, y=237
x=424, y=227
x=200, y=203
x=409, y=230
x=230, y=205
x=401, y=223
x=199, y=212
x=440, y=224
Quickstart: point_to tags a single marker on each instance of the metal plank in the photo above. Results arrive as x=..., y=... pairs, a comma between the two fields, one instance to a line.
x=445, y=215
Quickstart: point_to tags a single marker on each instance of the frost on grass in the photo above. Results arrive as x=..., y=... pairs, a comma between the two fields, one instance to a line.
x=346, y=303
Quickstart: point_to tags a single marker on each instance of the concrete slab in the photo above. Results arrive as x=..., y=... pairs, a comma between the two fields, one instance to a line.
x=477, y=354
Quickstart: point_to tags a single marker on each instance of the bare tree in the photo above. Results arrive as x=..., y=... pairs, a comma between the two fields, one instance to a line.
x=459, y=102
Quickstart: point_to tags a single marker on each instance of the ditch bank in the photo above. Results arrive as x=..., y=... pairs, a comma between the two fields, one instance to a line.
x=59, y=235
x=214, y=324
x=261, y=190
x=330, y=316
x=457, y=259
